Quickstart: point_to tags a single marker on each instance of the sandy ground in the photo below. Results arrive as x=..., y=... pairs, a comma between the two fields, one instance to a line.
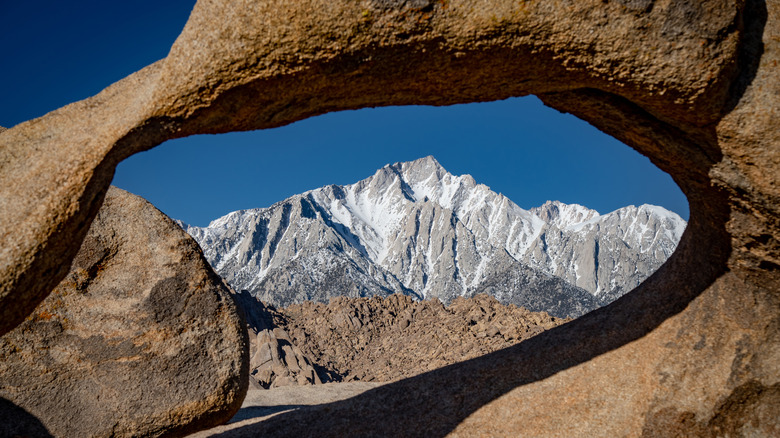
x=261, y=404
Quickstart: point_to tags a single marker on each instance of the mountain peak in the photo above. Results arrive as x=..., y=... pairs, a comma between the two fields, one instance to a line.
x=421, y=169
x=423, y=179
x=416, y=229
x=564, y=215
x=427, y=161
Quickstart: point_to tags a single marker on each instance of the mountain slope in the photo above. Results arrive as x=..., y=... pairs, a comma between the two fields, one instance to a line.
x=414, y=228
x=601, y=254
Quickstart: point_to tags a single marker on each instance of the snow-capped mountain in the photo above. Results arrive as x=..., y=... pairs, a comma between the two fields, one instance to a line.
x=416, y=229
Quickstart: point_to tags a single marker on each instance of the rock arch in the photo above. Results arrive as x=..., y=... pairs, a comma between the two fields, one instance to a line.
x=692, y=85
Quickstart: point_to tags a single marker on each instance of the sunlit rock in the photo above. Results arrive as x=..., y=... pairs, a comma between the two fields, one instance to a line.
x=694, y=350
x=141, y=338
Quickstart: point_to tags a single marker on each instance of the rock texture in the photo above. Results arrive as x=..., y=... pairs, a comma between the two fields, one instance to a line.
x=275, y=360
x=141, y=338
x=381, y=340
x=414, y=228
x=243, y=67
x=695, y=349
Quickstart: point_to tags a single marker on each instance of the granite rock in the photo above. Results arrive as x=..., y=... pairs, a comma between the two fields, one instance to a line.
x=140, y=338
x=386, y=339
x=693, y=350
x=262, y=64
x=274, y=359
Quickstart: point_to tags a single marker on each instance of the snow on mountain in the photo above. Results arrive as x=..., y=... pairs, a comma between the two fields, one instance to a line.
x=564, y=215
x=604, y=253
x=414, y=228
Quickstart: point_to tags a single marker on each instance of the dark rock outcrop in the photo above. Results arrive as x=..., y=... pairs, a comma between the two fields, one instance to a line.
x=692, y=85
x=141, y=338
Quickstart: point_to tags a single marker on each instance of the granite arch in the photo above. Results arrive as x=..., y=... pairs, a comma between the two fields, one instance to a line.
x=692, y=86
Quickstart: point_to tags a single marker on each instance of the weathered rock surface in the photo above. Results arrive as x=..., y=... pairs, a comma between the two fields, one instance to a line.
x=278, y=362
x=694, y=350
x=249, y=66
x=141, y=338
x=275, y=360
x=381, y=340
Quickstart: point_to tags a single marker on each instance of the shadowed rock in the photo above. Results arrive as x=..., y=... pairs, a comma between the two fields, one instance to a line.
x=274, y=359
x=694, y=86
x=16, y=422
x=140, y=338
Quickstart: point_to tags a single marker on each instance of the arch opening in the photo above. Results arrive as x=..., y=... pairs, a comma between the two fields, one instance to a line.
x=527, y=152
x=520, y=149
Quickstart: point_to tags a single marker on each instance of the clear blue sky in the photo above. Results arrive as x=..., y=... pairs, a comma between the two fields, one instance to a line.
x=58, y=52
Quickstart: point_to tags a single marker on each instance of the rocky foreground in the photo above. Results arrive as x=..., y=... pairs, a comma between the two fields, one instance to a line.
x=140, y=339
x=376, y=339
x=692, y=351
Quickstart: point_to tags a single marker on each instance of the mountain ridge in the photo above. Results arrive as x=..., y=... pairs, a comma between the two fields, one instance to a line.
x=414, y=228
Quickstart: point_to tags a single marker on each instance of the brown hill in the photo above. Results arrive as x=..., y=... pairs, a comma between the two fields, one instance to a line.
x=386, y=339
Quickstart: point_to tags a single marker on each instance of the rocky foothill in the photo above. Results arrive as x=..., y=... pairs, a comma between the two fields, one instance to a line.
x=377, y=339
x=384, y=339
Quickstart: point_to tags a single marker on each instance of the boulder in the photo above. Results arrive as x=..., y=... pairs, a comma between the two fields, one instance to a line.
x=275, y=360
x=278, y=362
x=694, y=350
x=140, y=338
